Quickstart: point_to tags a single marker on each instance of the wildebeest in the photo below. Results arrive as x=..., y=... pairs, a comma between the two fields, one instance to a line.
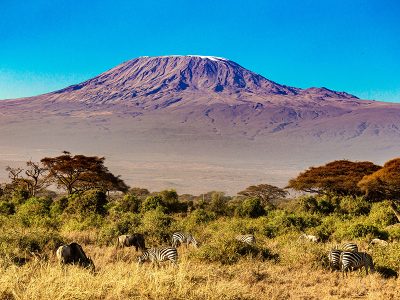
x=74, y=254
x=135, y=239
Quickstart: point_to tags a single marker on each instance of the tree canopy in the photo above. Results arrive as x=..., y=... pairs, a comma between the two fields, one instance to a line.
x=384, y=183
x=266, y=193
x=80, y=173
x=339, y=177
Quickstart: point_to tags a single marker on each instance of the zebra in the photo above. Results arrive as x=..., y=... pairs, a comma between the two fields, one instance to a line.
x=351, y=261
x=156, y=255
x=246, y=238
x=334, y=258
x=350, y=247
x=179, y=238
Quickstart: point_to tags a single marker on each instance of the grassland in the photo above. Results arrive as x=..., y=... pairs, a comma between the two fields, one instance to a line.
x=298, y=274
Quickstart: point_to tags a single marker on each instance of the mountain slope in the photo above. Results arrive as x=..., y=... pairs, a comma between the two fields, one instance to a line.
x=199, y=113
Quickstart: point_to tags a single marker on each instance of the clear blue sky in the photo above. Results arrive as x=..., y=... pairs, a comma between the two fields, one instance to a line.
x=351, y=46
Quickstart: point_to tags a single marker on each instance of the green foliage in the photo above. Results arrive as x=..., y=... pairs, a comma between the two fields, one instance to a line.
x=156, y=225
x=228, y=251
x=7, y=208
x=394, y=232
x=317, y=204
x=250, y=207
x=354, y=205
x=87, y=203
x=128, y=203
x=381, y=214
x=151, y=203
x=122, y=223
x=16, y=245
x=360, y=230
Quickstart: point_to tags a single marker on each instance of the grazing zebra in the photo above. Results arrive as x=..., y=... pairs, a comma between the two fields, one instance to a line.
x=334, y=258
x=246, y=238
x=179, y=238
x=350, y=247
x=351, y=261
x=156, y=255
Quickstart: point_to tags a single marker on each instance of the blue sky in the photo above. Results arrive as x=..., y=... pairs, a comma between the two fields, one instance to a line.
x=351, y=46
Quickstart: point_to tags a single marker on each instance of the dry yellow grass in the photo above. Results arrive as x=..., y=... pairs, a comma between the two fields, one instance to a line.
x=119, y=277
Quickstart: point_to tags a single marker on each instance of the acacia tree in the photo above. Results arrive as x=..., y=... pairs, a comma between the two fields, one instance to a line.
x=339, y=177
x=80, y=173
x=266, y=193
x=34, y=180
x=384, y=184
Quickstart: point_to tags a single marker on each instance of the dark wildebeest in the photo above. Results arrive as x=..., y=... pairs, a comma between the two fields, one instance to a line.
x=135, y=239
x=74, y=254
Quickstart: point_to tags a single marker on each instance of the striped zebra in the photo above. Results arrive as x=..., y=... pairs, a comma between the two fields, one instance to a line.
x=246, y=238
x=156, y=255
x=351, y=261
x=179, y=238
x=350, y=247
x=334, y=258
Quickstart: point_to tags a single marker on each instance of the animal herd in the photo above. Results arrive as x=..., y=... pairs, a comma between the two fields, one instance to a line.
x=74, y=254
x=344, y=258
x=348, y=258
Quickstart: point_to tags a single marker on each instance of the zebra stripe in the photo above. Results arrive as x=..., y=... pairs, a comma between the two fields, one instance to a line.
x=156, y=255
x=351, y=261
x=350, y=247
x=246, y=238
x=179, y=238
x=334, y=258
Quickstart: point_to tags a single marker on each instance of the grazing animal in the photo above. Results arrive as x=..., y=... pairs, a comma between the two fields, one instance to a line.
x=74, y=254
x=156, y=255
x=135, y=239
x=179, y=238
x=334, y=258
x=351, y=261
x=308, y=237
x=246, y=238
x=378, y=242
x=350, y=247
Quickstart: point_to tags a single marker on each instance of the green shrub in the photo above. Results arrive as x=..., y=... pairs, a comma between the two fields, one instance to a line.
x=122, y=223
x=354, y=206
x=251, y=208
x=361, y=230
x=156, y=226
x=229, y=251
x=128, y=203
x=151, y=203
x=7, y=208
x=89, y=202
x=394, y=232
x=381, y=214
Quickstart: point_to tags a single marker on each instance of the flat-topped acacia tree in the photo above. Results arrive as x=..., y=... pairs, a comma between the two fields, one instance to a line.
x=384, y=184
x=80, y=173
x=339, y=177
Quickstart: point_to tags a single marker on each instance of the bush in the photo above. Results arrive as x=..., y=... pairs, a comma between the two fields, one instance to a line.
x=229, y=251
x=128, y=203
x=354, y=206
x=361, y=230
x=381, y=214
x=251, y=208
x=155, y=225
x=125, y=223
x=151, y=203
x=87, y=203
x=7, y=208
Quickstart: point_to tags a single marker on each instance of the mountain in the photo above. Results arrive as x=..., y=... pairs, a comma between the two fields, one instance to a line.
x=197, y=123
